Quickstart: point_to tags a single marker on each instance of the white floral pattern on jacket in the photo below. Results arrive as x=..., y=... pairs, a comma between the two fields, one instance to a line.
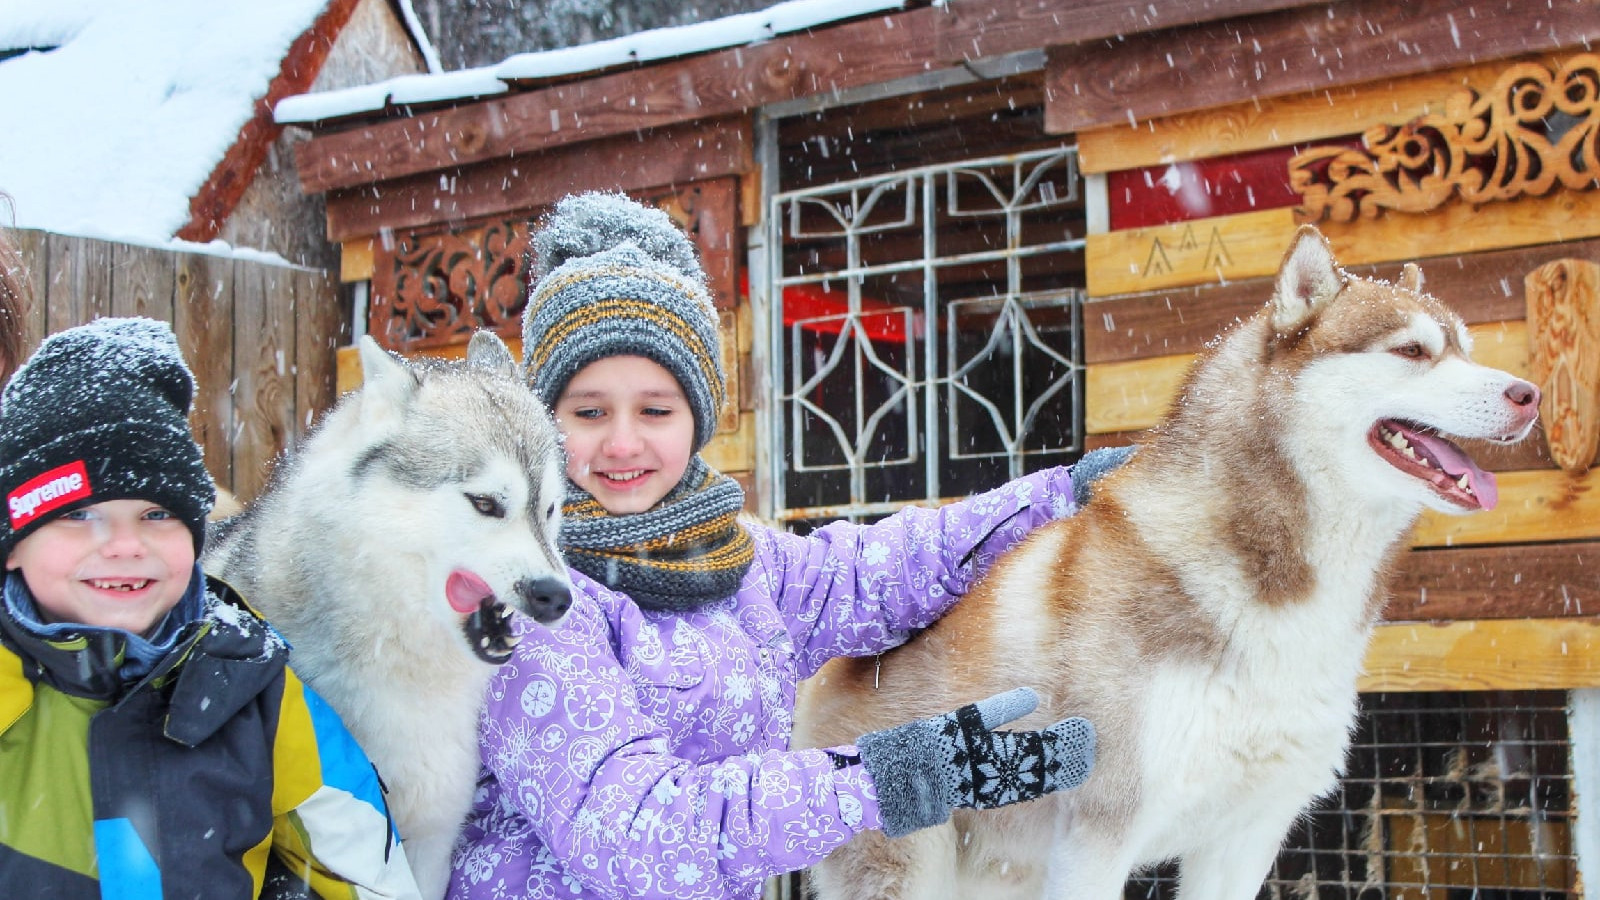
x=642, y=754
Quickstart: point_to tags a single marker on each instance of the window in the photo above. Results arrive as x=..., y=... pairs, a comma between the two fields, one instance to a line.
x=924, y=337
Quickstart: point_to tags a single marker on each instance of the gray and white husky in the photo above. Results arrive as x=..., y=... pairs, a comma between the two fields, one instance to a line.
x=1209, y=611
x=388, y=550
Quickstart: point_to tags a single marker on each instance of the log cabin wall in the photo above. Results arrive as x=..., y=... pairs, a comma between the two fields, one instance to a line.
x=1189, y=122
x=1207, y=134
x=1479, y=164
x=1485, y=174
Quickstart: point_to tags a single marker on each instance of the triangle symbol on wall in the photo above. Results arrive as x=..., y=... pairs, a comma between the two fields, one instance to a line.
x=1217, y=255
x=1157, y=263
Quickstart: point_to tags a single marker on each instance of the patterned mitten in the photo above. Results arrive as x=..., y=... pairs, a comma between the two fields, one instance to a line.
x=926, y=768
x=1093, y=466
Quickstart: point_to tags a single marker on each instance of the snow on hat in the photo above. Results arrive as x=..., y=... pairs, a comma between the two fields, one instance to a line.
x=613, y=277
x=100, y=412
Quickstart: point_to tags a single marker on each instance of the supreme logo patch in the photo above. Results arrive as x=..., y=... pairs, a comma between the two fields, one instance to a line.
x=52, y=490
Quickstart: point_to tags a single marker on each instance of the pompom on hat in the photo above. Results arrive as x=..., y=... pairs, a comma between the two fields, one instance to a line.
x=100, y=412
x=613, y=277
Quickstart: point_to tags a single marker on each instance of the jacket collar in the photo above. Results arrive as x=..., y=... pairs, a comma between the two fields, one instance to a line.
x=219, y=665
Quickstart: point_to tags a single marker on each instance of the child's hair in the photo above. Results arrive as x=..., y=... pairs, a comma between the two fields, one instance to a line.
x=15, y=297
x=616, y=278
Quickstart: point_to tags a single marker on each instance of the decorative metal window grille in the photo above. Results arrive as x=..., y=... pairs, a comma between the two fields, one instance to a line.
x=1458, y=796
x=925, y=333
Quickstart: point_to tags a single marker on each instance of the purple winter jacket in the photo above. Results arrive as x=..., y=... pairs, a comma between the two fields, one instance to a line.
x=629, y=753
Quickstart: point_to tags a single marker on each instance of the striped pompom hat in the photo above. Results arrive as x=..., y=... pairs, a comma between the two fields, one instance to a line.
x=613, y=277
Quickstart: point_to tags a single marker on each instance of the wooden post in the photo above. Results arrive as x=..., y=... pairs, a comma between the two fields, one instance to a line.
x=1563, y=298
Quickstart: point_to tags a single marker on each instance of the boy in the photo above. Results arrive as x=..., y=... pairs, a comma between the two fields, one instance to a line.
x=153, y=744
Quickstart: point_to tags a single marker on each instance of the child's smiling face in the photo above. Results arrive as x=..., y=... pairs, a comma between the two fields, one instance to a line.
x=114, y=564
x=629, y=432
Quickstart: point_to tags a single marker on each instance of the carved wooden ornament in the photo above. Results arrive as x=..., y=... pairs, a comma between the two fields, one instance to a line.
x=1534, y=130
x=435, y=288
x=1563, y=298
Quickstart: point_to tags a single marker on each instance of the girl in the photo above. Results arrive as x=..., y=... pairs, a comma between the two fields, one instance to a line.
x=640, y=748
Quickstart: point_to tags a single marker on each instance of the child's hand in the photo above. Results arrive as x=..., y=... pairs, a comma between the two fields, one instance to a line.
x=923, y=769
x=1093, y=466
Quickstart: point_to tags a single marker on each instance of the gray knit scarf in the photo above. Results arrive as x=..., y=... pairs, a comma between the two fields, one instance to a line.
x=686, y=551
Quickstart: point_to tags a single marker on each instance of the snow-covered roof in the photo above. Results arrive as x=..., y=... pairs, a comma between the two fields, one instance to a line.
x=121, y=109
x=643, y=47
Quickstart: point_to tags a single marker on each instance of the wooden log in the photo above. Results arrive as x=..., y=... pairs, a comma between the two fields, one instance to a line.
x=1541, y=505
x=1462, y=228
x=348, y=360
x=203, y=323
x=695, y=152
x=1204, y=251
x=1261, y=122
x=1518, y=581
x=1489, y=655
x=1130, y=396
x=1207, y=251
x=1564, y=358
x=1156, y=74
x=732, y=81
x=1480, y=287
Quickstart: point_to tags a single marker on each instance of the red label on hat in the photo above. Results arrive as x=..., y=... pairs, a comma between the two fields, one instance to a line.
x=52, y=490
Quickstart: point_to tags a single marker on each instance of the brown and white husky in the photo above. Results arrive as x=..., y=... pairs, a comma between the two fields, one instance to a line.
x=1208, y=611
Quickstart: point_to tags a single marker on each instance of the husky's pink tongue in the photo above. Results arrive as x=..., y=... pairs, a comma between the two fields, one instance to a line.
x=1450, y=458
x=465, y=591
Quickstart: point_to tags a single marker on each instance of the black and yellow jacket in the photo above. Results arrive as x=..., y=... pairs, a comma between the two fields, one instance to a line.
x=191, y=782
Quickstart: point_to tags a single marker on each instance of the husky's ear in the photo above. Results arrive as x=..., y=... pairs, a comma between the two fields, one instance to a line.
x=1411, y=278
x=1308, y=279
x=486, y=351
x=387, y=383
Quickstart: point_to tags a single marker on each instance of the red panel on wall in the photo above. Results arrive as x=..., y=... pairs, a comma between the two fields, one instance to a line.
x=1202, y=188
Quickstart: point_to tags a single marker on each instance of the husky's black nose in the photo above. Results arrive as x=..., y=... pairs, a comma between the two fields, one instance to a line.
x=545, y=598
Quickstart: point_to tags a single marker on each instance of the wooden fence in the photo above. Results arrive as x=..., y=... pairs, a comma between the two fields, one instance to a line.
x=260, y=337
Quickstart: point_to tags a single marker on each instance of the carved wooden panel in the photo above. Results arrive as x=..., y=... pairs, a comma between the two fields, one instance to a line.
x=1535, y=129
x=429, y=290
x=435, y=288
x=1563, y=301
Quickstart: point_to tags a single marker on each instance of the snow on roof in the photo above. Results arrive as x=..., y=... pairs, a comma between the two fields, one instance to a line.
x=643, y=47
x=121, y=110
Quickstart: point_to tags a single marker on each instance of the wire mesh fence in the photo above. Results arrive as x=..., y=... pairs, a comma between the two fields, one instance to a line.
x=1446, y=796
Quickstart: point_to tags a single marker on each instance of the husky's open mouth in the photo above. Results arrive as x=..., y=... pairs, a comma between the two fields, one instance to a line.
x=1422, y=453
x=487, y=626
x=489, y=632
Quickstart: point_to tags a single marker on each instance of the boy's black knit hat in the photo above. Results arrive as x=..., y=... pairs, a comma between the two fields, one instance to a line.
x=613, y=277
x=100, y=412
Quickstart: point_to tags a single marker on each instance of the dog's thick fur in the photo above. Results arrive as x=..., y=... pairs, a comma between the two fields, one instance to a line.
x=387, y=550
x=1208, y=611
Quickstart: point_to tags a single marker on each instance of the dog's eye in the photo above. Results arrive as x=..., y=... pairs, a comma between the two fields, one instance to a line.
x=551, y=512
x=1412, y=350
x=487, y=505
